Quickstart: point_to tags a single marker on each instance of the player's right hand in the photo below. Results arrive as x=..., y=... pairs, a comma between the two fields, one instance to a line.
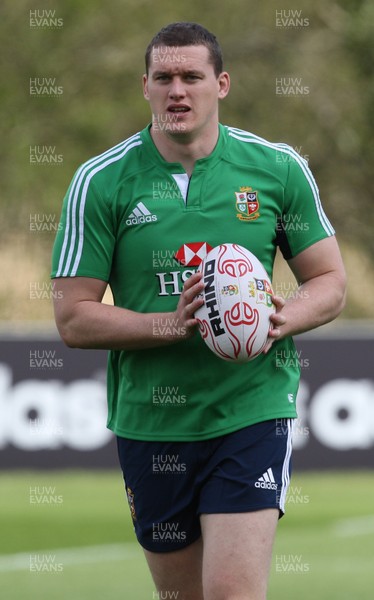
x=188, y=303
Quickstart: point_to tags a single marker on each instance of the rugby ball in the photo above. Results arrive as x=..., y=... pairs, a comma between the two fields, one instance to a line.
x=234, y=319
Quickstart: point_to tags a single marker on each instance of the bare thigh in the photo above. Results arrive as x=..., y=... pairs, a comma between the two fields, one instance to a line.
x=178, y=574
x=237, y=554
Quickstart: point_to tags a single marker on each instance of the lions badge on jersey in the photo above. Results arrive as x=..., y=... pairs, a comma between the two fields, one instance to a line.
x=247, y=204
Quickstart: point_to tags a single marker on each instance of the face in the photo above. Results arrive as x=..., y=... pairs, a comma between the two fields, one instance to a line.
x=183, y=91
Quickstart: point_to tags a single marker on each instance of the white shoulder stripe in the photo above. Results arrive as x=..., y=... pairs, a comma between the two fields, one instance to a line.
x=76, y=195
x=71, y=208
x=83, y=202
x=312, y=182
x=252, y=139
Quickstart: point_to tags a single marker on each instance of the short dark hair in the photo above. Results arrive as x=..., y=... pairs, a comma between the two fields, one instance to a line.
x=187, y=34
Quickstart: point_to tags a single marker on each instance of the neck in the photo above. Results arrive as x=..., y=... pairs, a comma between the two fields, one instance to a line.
x=184, y=149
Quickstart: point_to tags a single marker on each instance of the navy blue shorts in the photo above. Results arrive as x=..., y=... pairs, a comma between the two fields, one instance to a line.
x=169, y=484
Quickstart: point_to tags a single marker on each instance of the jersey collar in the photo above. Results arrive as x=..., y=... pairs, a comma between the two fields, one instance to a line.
x=176, y=167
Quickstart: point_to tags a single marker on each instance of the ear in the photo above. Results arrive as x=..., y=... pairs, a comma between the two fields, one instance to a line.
x=145, y=87
x=223, y=85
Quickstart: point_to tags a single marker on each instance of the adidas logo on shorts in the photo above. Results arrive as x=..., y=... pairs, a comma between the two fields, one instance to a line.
x=266, y=481
x=139, y=215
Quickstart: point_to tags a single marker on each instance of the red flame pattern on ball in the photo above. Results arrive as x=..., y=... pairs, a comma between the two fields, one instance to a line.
x=206, y=331
x=234, y=267
x=235, y=318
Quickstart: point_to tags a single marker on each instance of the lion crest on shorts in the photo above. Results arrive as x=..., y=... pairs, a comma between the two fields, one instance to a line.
x=130, y=498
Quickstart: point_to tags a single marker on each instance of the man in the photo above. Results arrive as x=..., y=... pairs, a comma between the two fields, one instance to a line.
x=140, y=217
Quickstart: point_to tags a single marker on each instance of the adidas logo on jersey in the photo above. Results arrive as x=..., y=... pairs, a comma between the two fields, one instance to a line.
x=266, y=481
x=139, y=215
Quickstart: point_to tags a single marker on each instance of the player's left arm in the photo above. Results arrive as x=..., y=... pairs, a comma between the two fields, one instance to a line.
x=321, y=294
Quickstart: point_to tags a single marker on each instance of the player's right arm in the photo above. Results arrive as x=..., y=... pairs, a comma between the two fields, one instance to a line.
x=84, y=322
x=82, y=263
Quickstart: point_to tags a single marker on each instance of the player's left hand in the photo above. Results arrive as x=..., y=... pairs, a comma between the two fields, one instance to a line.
x=277, y=320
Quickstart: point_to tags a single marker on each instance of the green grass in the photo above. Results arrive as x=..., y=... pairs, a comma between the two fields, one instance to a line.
x=323, y=550
x=331, y=535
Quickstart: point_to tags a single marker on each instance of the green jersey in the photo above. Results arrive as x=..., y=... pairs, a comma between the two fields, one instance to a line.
x=138, y=222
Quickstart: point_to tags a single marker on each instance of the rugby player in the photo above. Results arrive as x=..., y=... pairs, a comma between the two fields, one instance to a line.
x=204, y=444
